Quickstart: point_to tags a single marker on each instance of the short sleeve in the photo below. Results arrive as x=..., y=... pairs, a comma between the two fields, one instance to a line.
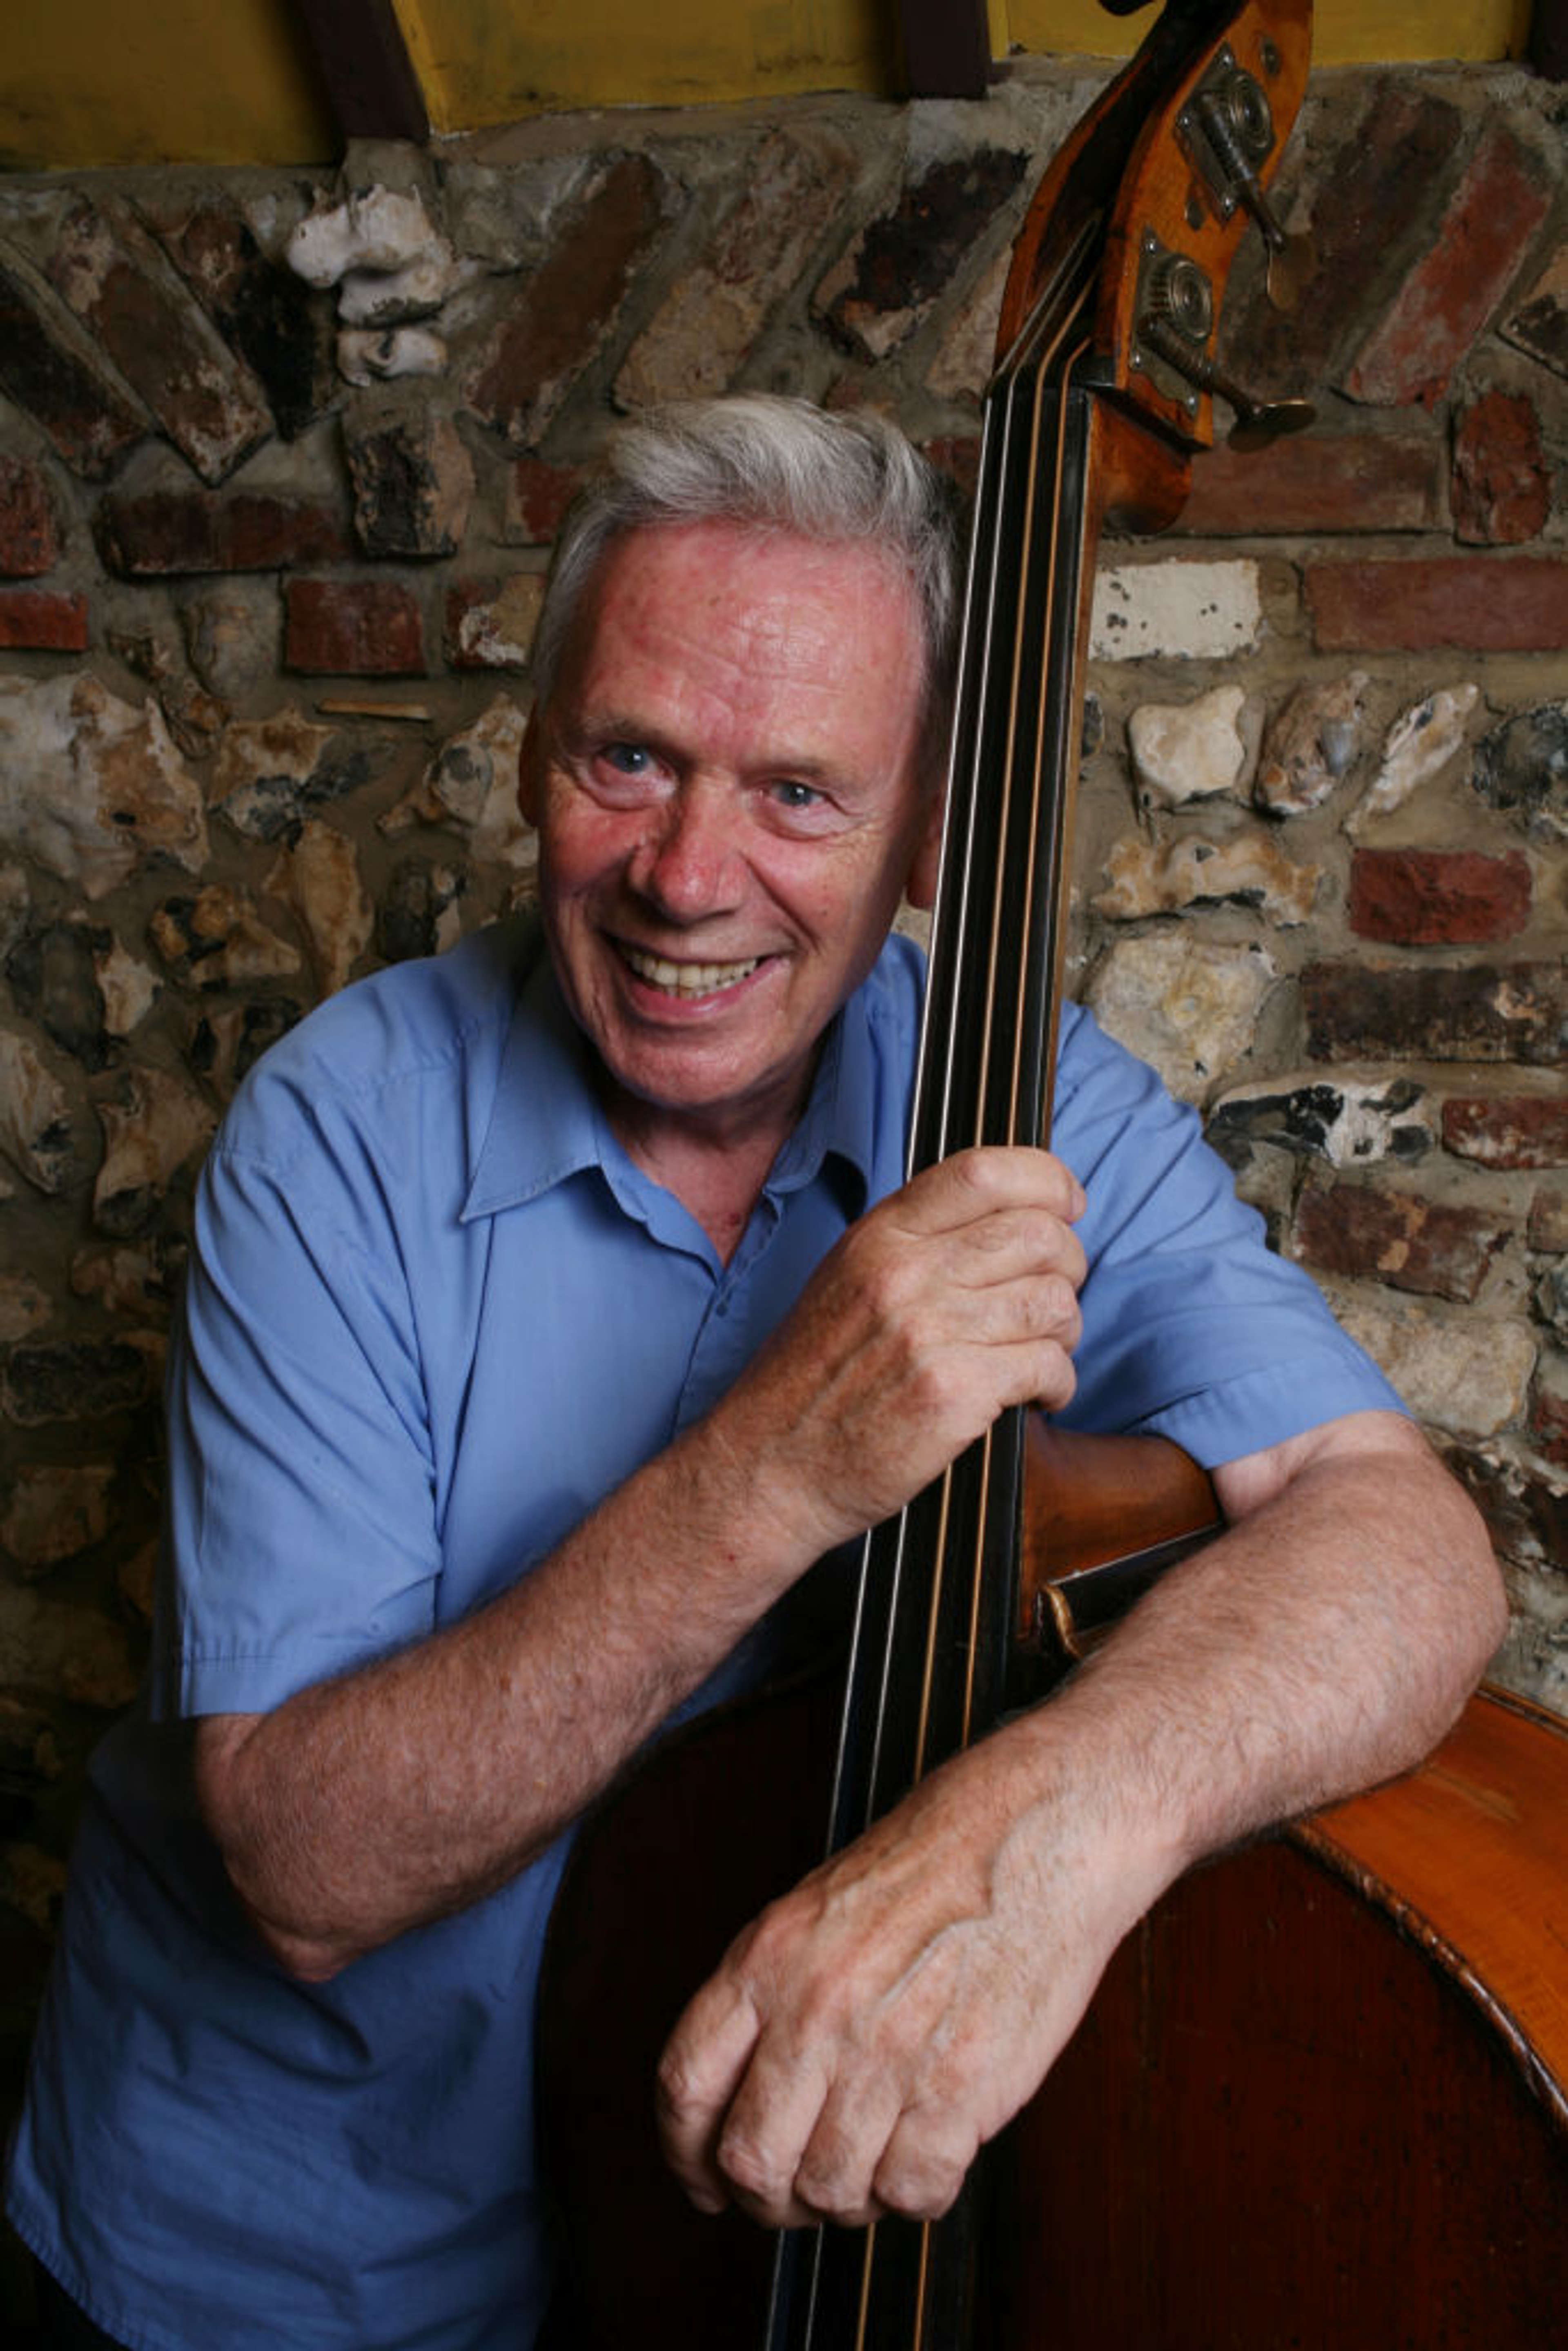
x=1192, y=1328
x=300, y=1532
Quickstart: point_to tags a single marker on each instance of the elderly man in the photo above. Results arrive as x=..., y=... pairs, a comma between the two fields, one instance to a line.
x=577, y=1265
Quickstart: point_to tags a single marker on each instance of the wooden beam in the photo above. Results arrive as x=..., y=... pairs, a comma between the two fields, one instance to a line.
x=946, y=47
x=363, y=60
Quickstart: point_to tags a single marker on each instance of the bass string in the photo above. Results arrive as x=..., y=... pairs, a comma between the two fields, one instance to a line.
x=1015, y=918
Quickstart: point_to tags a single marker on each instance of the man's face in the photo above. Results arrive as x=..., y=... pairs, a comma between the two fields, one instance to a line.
x=726, y=788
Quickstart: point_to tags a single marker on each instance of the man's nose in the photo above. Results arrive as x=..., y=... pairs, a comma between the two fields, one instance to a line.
x=688, y=862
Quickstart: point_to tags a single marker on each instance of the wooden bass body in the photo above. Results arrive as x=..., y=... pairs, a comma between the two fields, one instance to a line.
x=1321, y=2098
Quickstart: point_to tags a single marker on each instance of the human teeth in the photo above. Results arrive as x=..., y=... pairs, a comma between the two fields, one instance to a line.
x=688, y=978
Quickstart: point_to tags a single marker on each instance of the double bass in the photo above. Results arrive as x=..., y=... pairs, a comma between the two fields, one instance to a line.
x=1321, y=2097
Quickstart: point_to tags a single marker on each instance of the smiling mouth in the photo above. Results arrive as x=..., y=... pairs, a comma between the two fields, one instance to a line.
x=687, y=980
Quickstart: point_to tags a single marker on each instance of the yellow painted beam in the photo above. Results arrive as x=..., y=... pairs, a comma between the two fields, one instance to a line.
x=192, y=81
x=1345, y=32
x=157, y=81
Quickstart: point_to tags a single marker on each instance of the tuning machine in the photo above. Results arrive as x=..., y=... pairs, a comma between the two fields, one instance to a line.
x=1228, y=128
x=1176, y=318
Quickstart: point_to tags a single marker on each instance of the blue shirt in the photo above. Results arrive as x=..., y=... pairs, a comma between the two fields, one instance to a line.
x=433, y=1314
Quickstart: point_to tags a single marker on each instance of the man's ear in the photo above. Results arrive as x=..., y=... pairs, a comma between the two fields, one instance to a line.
x=528, y=765
x=920, y=888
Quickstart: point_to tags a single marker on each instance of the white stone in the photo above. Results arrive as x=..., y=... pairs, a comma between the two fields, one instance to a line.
x=1146, y=879
x=1351, y=1122
x=148, y=1138
x=473, y=783
x=1310, y=745
x=35, y=1116
x=55, y=1511
x=1189, y=1008
x=1417, y=746
x=318, y=876
x=365, y=357
x=1205, y=612
x=1189, y=750
x=1464, y=1373
x=75, y=1651
x=129, y=988
x=89, y=785
x=375, y=228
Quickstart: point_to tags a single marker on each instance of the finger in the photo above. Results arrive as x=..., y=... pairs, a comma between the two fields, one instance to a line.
x=926, y=2161
x=977, y=1182
x=703, y=2063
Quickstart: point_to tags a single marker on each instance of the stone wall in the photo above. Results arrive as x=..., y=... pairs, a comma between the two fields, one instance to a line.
x=280, y=456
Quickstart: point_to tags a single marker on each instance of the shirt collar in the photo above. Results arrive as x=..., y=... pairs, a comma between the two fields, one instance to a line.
x=545, y=1123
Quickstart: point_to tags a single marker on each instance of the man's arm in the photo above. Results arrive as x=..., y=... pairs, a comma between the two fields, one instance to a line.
x=864, y=2039
x=367, y=1804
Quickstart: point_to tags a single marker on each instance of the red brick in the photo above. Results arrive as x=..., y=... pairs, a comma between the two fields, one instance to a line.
x=1507, y=1130
x=1438, y=897
x=1501, y=489
x=538, y=495
x=54, y=372
x=1479, y=604
x=1373, y=194
x=1526, y=1517
x=1442, y=304
x=564, y=315
x=281, y=327
x=173, y=531
x=1311, y=481
x=1549, y=1426
x=490, y=622
x=899, y=264
x=1476, y=1012
x=353, y=627
x=958, y=457
x=117, y=280
x=43, y=620
x=1548, y=1226
x=29, y=527
x=1395, y=1238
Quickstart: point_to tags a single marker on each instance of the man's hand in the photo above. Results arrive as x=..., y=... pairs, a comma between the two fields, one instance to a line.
x=864, y=2036
x=949, y=1302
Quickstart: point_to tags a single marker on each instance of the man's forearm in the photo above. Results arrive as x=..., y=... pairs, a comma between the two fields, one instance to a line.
x=371, y=1802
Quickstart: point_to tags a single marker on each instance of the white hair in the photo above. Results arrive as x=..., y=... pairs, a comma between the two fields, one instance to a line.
x=775, y=464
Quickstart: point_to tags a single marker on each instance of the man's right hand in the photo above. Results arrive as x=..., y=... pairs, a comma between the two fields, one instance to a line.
x=951, y=1300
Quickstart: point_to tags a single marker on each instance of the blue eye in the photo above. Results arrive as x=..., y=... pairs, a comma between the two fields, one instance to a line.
x=627, y=759
x=792, y=795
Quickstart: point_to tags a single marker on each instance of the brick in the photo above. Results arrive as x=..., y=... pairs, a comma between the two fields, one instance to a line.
x=1548, y=1226
x=1312, y=482
x=1497, y=1012
x=1507, y=1130
x=114, y=276
x=490, y=622
x=885, y=285
x=54, y=372
x=1373, y=194
x=1443, y=303
x=1540, y=325
x=354, y=628
x=1526, y=1517
x=1438, y=897
x=705, y=328
x=1549, y=1426
x=538, y=495
x=413, y=483
x=282, y=328
x=167, y=532
x=43, y=620
x=565, y=314
x=1478, y=603
x=29, y=525
x=1396, y=1238
x=1501, y=488
x=958, y=457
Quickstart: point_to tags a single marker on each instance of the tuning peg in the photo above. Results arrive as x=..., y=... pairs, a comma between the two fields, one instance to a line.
x=1258, y=422
x=1227, y=115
